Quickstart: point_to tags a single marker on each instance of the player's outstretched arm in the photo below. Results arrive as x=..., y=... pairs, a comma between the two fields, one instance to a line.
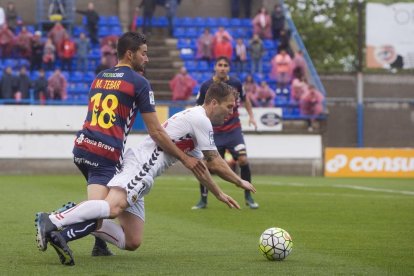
x=220, y=167
x=249, y=109
x=212, y=186
x=158, y=134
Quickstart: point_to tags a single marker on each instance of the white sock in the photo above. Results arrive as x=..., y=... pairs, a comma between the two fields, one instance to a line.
x=86, y=210
x=112, y=233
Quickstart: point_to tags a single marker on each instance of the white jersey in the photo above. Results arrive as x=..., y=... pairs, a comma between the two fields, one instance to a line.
x=190, y=130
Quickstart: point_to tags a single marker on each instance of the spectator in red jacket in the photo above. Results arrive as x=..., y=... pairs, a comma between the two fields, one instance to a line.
x=6, y=41
x=223, y=48
x=262, y=24
x=24, y=43
x=67, y=51
x=56, y=86
x=182, y=85
x=311, y=104
x=57, y=34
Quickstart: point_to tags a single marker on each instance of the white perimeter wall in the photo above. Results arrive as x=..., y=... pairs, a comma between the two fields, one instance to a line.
x=68, y=119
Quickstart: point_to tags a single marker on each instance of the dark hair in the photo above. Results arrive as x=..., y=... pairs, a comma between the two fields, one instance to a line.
x=129, y=41
x=219, y=91
x=220, y=58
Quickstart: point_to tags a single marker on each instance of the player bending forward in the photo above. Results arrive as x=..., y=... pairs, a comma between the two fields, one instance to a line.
x=192, y=132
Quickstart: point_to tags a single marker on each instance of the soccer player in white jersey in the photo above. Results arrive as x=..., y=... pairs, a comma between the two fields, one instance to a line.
x=191, y=130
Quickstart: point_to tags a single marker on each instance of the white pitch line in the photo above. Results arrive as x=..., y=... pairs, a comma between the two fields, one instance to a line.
x=374, y=189
x=362, y=188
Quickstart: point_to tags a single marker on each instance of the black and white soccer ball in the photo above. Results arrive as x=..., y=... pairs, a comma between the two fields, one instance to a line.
x=275, y=244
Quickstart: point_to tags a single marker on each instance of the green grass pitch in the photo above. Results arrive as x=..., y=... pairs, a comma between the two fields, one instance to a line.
x=338, y=226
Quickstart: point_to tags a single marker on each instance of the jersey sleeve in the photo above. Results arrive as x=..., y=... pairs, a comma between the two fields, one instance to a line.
x=203, y=132
x=144, y=95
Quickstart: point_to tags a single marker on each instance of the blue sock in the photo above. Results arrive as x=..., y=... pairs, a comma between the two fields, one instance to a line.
x=79, y=230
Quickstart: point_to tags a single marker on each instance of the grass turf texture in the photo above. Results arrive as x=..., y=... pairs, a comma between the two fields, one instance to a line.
x=338, y=226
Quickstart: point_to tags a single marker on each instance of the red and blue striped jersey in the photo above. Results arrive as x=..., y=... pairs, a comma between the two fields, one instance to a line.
x=115, y=97
x=233, y=120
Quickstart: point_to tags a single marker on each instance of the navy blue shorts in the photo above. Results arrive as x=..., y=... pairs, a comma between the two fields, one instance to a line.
x=233, y=141
x=95, y=173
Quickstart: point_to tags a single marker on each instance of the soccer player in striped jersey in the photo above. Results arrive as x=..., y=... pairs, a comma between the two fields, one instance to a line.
x=115, y=97
x=229, y=136
x=192, y=131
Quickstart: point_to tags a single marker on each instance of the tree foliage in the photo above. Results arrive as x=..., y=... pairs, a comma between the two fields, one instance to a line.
x=329, y=30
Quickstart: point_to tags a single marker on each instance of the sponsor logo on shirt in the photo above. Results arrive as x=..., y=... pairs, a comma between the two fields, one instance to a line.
x=151, y=97
x=211, y=137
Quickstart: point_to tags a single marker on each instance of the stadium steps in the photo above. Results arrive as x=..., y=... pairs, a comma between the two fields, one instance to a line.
x=163, y=65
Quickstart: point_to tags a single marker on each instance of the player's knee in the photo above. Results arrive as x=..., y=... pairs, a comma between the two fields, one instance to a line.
x=133, y=244
x=115, y=211
x=242, y=160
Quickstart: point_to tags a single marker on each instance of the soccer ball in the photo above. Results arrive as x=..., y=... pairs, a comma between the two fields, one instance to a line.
x=275, y=244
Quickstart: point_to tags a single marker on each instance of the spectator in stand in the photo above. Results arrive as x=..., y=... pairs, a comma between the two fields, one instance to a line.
x=171, y=8
x=109, y=51
x=262, y=24
x=265, y=96
x=103, y=65
x=92, y=20
x=221, y=34
x=205, y=44
x=311, y=104
x=250, y=87
x=223, y=48
x=57, y=34
x=284, y=39
x=278, y=21
x=56, y=86
x=83, y=46
x=281, y=71
x=49, y=55
x=11, y=16
x=148, y=7
x=256, y=50
x=241, y=56
x=40, y=87
x=23, y=85
x=8, y=84
x=2, y=17
x=299, y=86
x=135, y=17
x=24, y=43
x=182, y=85
x=6, y=41
x=299, y=62
x=67, y=52
x=36, y=57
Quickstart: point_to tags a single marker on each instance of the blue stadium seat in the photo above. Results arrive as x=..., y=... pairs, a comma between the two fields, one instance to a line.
x=103, y=31
x=76, y=76
x=95, y=53
x=196, y=89
x=206, y=75
x=88, y=77
x=77, y=30
x=235, y=22
x=177, y=22
x=268, y=44
x=160, y=21
x=139, y=21
x=179, y=33
x=187, y=54
x=191, y=65
x=115, y=30
x=113, y=20
x=203, y=66
x=247, y=23
x=192, y=33
x=223, y=22
x=197, y=76
x=103, y=21
x=199, y=22
x=187, y=22
x=13, y=63
x=212, y=22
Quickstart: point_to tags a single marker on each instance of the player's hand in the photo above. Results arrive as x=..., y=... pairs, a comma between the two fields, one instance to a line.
x=228, y=200
x=195, y=165
x=247, y=186
x=252, y=121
